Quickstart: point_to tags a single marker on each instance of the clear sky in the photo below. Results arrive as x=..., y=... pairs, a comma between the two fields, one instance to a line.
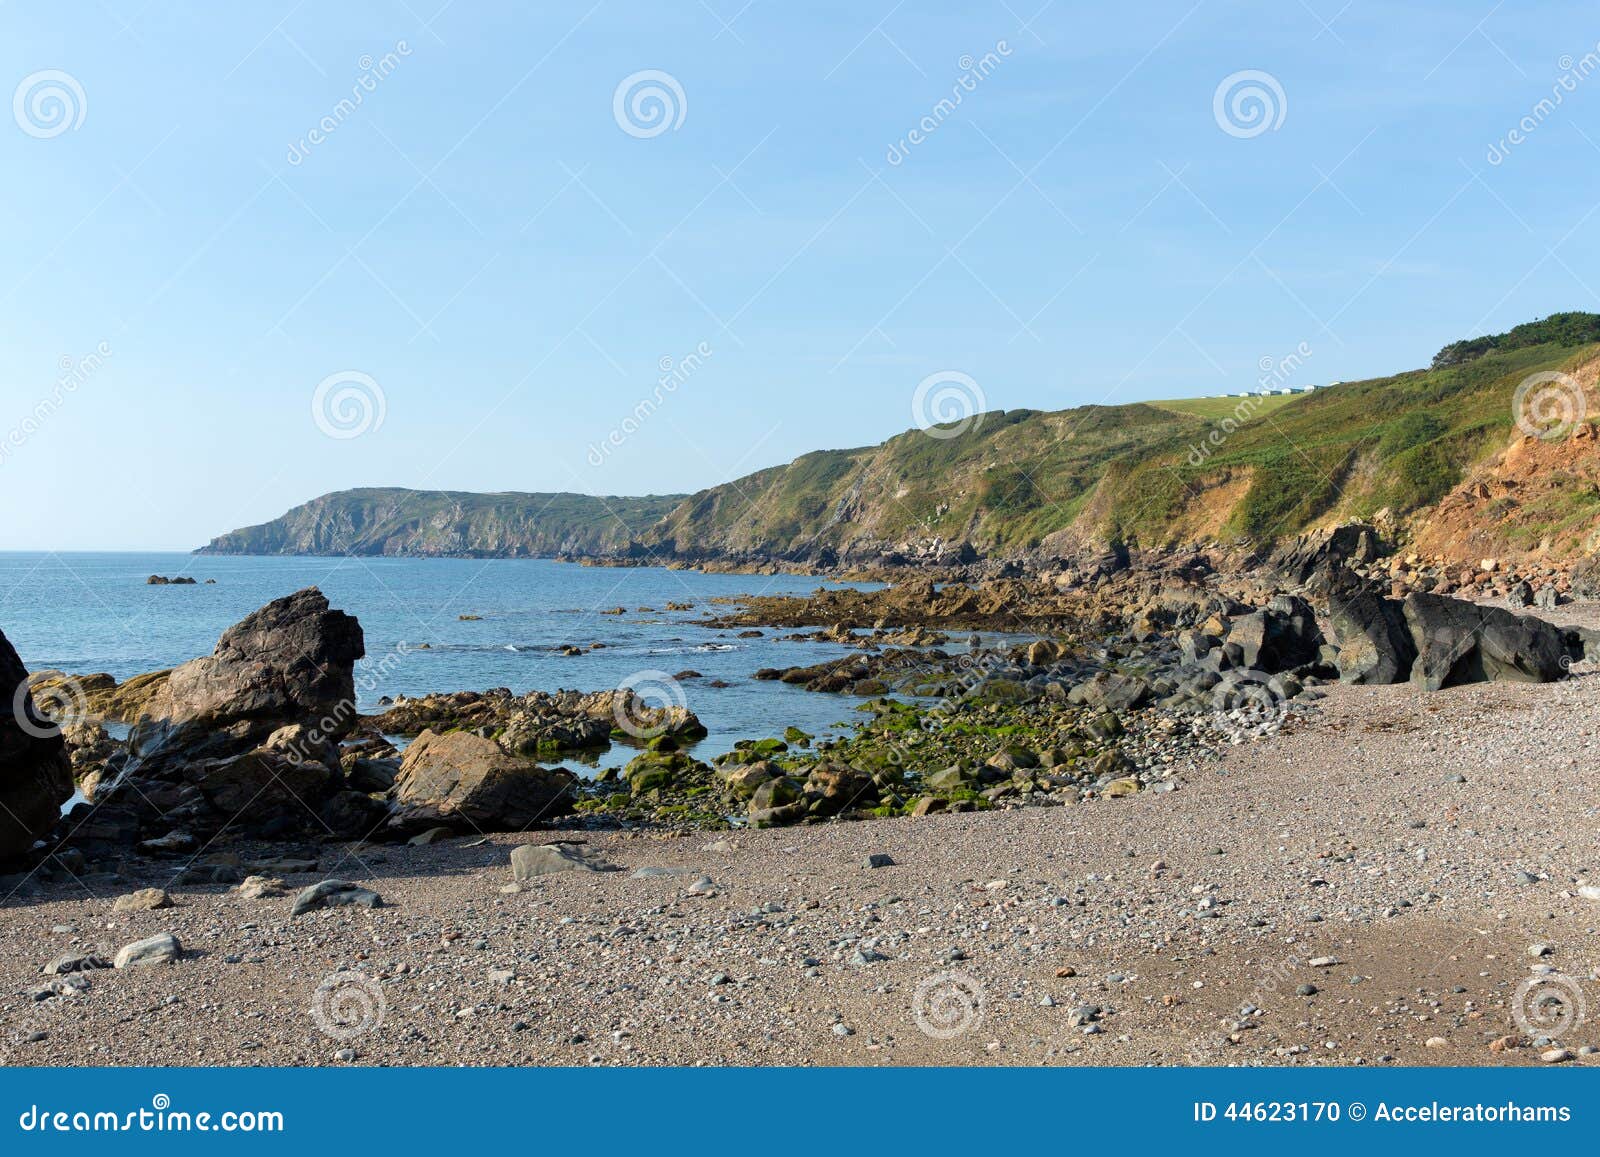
x=507, y=249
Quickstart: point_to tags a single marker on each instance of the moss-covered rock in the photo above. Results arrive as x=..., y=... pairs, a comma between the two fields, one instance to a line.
x=660, y=770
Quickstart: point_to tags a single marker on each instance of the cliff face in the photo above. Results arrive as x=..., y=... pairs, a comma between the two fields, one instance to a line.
x=1410, y=452
x=999, y=487
x=394, y=521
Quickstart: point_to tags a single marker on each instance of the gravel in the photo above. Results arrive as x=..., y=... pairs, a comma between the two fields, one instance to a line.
x=989, y=941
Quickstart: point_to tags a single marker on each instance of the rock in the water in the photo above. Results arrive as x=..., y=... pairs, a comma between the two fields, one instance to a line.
x=1461, y=642
x=35, y=772
x=162, y=948
x=144, y=900
x=463, y=780
x=335, y=894
x=532, y=860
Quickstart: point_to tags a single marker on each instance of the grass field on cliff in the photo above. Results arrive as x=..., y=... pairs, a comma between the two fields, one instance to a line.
x=1252, y=469
x=1399, y=443
x=1216, y=409
x=1148, y=474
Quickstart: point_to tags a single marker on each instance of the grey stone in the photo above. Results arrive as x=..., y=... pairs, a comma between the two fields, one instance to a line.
x=162, y=948
x=532, y=860
x=335, y=894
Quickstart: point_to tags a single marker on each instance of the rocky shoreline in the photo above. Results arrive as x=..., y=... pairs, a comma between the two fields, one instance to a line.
x=1129, y=672
x=249, y=773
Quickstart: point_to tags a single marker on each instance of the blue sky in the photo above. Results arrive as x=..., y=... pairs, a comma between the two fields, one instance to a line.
x=507, y=267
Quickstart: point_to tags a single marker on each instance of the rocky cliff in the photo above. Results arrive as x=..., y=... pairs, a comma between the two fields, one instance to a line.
x=396, y=521
x=1431, y=456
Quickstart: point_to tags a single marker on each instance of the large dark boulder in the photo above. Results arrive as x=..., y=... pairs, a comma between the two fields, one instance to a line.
x=1316, y=559
x=463, y=780
x=1584, y=578
x=1461, y=642
x=291, y=662
x=1371, y=635
x=35, y=772
x=1281, y=636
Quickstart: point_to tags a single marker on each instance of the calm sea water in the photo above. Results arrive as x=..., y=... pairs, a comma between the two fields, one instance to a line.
x=84, y=613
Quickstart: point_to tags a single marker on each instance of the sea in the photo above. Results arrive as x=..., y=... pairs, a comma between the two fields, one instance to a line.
x=87, y=612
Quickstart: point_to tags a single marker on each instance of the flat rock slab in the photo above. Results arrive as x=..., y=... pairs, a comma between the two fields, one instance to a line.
x=280, y=866
x=532, y=860
x=431, y=836
x=335, y=894
x=162, y=948
x=75, y=962
x=260, y=887
x=144, y=900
